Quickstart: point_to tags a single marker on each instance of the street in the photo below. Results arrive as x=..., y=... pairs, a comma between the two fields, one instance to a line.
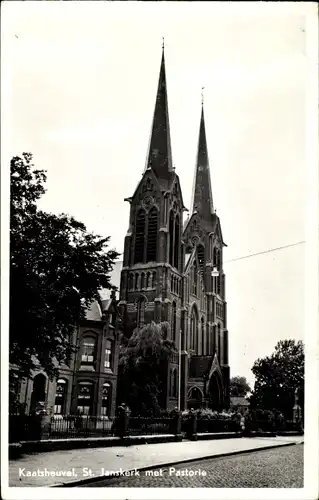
x=273, y=468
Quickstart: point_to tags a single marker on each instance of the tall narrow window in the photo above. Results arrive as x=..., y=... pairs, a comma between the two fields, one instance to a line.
x=171, y=237
x=85, y=398
x=194, y=330
x=131, y=281
x=194, y=279
x=176, y=242
x=225, y=337
x=203, y=335
x=201, y=258
x=219, y=340
x=60, y=396
x=208, y=346
x=108, y=355
x=218, y=284
x=174, y=384
x=139, y=237
x=174, y=321
x=88, y=353
x=215, y=257
x=140, y=313
x=142, y=280
x=105, y=399
x=136, y=281
x=152, y=235
x=148, y=280
x=153, y=279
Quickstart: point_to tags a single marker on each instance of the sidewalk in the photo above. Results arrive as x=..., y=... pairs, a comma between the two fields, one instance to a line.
x=74, y=462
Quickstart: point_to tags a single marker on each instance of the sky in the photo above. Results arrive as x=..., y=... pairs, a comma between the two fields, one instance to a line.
x=82, y=85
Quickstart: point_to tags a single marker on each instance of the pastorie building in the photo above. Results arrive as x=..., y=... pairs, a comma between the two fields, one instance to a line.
x=167, y=267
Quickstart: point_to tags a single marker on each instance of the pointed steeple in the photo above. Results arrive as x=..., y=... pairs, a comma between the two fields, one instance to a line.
x=159, y=155
x=202, y=199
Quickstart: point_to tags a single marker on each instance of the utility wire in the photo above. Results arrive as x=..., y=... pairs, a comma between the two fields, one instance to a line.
x=266, y=251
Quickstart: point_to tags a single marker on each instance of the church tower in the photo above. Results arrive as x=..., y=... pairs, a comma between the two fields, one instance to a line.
x=207, y=316
x=167, y=268
x=151, y=279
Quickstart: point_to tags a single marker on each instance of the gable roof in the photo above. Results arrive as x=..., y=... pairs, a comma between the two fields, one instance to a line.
x=199, y=366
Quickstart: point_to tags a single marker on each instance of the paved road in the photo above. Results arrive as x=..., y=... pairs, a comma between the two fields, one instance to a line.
x=275, y=468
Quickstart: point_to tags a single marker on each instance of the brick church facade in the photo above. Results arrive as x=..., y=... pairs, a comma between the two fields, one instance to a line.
x=167, y=268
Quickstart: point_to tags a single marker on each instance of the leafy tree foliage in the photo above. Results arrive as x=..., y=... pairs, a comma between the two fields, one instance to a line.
x=239, y=386
x=278, y=376
x=142, y=368
x=56, y=270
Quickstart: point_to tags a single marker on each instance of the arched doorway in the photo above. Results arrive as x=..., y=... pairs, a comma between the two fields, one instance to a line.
x=38, y=393
x=195, y=398
x=215, y=392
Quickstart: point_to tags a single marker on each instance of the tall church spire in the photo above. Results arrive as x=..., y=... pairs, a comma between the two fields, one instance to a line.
x=202, y=201
x=159, y=155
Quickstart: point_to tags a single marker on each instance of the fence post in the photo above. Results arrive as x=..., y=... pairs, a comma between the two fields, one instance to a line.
x=122, y=424
x=192, y=426
x=178, y=426
x=45, y=426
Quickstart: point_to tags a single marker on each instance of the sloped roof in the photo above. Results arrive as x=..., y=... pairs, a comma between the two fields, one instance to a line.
x=93, y=312
x=199, y=366
x=115, y=279
x=239, y=401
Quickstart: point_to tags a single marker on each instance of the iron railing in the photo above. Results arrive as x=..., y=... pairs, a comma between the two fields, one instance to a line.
x=71, y=426
x=151, y=425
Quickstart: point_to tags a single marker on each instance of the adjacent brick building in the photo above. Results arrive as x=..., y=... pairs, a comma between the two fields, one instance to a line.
x=167, y=267
x=88, y=383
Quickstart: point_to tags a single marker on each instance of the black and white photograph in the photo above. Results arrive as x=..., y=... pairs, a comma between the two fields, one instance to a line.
x=159, y=261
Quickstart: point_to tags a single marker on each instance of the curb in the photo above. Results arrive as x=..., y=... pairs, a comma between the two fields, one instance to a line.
x=89, y=480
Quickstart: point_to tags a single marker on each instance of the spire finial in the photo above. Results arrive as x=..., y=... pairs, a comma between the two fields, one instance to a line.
x=163, y=44
x=203, y=96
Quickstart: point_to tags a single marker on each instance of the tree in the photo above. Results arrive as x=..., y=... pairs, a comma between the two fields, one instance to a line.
x=278, y=376
x=143, y=367
x=239, y=386
x=57, y=268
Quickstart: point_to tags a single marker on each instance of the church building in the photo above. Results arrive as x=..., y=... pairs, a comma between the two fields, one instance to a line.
x=168, y=266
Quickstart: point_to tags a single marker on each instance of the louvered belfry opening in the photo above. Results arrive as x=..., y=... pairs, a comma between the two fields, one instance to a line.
x=152, y=235
x=176, y=243
x=200, y=252
x=139, y=237
x=171, y=237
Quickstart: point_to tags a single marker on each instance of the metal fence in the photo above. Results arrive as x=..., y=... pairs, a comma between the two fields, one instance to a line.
x=151, y=425
x=71, y=426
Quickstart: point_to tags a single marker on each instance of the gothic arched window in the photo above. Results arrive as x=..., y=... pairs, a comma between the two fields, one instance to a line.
x=219, y=340
x=131, y=281
x=174, y=321
x=194, y=279
x=136, y=281
x=203, y=335
x=139, y=237
x=194, y=330
x=152, y=231
x=148, y=280
x=142, y=280
x=201, y=258
x=171, y=237
x=176, y=242
x=208, y=346
x=215, y=256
